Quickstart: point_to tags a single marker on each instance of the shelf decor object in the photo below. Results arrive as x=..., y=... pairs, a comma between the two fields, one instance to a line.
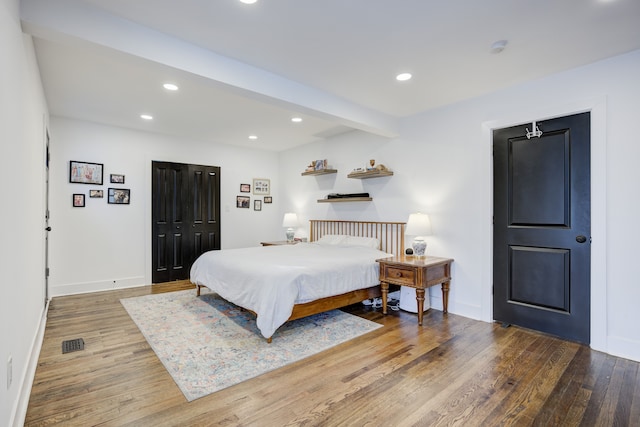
x=290, y=221
x=418, y=225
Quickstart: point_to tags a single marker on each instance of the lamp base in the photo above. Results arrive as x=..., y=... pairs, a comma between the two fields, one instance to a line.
x=419, y=247
x=290, y=234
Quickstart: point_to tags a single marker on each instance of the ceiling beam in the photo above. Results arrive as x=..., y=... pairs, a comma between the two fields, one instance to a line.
x=71, y=21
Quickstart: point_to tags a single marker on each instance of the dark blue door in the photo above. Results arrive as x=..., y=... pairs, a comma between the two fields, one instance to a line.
x=542, y=226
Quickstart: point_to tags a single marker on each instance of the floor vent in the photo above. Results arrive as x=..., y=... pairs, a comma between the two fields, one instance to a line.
x=72, y=345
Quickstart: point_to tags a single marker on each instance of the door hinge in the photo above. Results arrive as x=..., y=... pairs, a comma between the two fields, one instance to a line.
x=46, y=272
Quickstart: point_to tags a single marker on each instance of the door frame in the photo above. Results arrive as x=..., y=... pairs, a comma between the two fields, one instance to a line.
x=598, y=108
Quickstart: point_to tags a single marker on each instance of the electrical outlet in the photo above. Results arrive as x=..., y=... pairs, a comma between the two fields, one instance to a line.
x=9, y=372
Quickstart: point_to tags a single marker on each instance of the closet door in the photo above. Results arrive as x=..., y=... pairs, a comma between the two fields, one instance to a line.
x=170, y=215
x=185, y=215
x=204, y=190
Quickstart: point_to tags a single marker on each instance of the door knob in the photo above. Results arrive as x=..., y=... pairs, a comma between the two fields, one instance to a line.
x=581, y=239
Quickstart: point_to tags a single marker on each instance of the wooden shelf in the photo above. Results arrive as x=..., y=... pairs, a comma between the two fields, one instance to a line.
x=346, y=199
x=319, y=172
x=369, y=174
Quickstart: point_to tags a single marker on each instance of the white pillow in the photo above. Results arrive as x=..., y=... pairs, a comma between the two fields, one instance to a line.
x=369, y=242
x=331, y=239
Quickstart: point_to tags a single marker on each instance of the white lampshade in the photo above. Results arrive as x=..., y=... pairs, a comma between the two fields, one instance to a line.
x=418, y=225
x=290, y=220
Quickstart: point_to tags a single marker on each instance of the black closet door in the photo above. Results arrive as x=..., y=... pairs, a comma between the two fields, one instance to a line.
x=185, y=215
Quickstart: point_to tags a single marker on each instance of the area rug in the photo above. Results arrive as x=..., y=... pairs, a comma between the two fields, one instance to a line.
x=208, y=344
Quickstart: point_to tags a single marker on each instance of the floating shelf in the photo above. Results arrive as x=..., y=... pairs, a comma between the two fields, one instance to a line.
x=346, y=199
x=319, y=172
x=369, y=174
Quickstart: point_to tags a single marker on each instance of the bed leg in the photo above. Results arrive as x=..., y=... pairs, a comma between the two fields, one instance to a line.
x=269, y=340
x=197, y=290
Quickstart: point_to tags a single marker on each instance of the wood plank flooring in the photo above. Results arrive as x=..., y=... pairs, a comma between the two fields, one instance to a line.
x=450, y=371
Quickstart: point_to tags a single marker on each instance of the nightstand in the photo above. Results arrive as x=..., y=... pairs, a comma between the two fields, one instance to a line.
x=415, y=272
x=279, y=243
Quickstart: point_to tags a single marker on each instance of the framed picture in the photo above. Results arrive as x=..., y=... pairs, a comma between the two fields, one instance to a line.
x=119, y=196
x=245, y=188
x=96, y=194
x=78, y=200
x=116, y=179
x=261, y=186
x=321, y=164
x=85, y=172
x=257, y=205
x=268, y=199
x=243, y=202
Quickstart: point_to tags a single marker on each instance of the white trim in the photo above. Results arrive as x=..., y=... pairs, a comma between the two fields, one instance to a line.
x=19, y=413
x=104, y=285
x=598, y=108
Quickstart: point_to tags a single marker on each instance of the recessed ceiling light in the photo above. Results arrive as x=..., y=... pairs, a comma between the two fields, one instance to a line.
x=170, y=86
x=253, y=137
x=248, y=1
x=146, y=116
x=498, y=46
x=403, y=77
x=296, y=119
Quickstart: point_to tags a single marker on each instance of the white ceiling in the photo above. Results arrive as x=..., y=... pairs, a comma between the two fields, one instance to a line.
x=247, y=69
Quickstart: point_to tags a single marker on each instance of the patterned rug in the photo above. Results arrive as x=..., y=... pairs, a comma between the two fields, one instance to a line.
x=207, y=344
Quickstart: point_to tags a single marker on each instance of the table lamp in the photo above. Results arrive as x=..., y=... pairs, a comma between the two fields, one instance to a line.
x=418, y=226
x=290, y=220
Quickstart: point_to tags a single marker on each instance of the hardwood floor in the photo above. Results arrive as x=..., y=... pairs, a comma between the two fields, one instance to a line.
x=450, y=371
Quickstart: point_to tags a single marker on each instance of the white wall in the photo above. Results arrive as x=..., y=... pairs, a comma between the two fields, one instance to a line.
x=103, y=246
x=442, y=165
x=23, y=116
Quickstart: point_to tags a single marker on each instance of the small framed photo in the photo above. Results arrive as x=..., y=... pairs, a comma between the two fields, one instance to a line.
x=119, y=196
x=257, y=205
x=268, y=199
x=321, y=165
x=96, y=194
x=261, y=186
x=116, y=179
x=85, y=172
x=78, y=200
x=245, y=188
x=243, y=202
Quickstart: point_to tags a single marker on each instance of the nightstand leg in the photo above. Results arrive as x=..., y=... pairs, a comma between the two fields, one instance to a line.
x=420, y=300
x=445, y=297
x=385, y=291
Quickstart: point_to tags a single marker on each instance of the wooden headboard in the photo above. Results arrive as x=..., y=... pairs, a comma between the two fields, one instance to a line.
x=390, y=234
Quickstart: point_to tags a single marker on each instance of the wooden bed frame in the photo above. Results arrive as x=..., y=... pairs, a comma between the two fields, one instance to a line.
x=391, y=236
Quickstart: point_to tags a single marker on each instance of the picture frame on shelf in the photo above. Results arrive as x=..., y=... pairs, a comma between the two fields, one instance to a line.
x=257, y=205
x=116, y=179
x=268, y=199
x=96, y=194
x=243, y=202
x=321, y=164
x=245, y=188
x=78, y=200
x=119, y=196
x=261, y=186
x=85, y=172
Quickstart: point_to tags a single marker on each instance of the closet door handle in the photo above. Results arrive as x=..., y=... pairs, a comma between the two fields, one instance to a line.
x=581, y=239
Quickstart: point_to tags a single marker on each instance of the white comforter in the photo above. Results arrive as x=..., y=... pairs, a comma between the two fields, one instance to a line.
x=270, y=280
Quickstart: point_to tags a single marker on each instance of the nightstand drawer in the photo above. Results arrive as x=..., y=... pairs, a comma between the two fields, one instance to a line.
x=399, y=275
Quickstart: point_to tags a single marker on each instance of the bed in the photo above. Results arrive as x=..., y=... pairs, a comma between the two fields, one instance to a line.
x=281, y=283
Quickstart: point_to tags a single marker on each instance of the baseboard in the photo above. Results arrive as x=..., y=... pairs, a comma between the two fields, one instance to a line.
x=624, y=347
x=20, y=411
x=88, y=287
